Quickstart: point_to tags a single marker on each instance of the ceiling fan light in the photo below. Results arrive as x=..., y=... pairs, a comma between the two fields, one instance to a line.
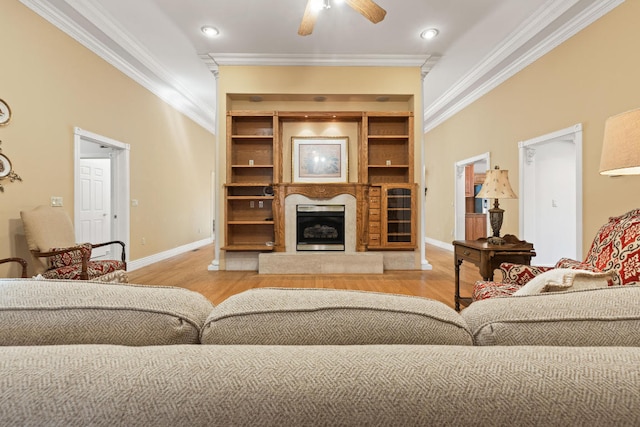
x=429, y=33
x=317, y=5
x=210, y=31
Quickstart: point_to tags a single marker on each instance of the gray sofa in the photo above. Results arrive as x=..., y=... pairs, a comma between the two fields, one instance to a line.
x=84, y=353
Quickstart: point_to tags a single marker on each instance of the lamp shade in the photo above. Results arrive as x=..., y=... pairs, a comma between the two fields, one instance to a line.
x=496, y=185
x=621, y=145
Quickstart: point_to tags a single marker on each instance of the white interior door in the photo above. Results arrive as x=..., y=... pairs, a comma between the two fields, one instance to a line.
x=95, y=204
x=551, y=195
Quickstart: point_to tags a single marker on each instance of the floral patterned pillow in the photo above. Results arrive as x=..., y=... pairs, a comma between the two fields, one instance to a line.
x=69, y=258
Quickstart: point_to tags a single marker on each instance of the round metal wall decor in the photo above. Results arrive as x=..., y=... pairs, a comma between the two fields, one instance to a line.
x=5, y=113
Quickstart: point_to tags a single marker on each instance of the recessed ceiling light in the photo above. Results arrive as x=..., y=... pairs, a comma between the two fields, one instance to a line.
x=318, y=5
x=382, y=98
x=429, y=34
x=210, y=31
x=255, y=98
x=319, y=98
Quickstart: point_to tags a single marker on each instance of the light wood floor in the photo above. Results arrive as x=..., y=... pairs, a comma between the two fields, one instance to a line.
x=189, y=271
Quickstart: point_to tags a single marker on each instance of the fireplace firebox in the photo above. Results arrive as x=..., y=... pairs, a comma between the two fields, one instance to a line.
x=320, y=228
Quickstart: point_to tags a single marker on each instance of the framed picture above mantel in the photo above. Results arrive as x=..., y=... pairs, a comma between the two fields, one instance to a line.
x=320, y=159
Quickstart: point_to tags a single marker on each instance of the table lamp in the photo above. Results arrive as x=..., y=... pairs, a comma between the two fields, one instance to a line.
x=621, y=145
x=496, y=186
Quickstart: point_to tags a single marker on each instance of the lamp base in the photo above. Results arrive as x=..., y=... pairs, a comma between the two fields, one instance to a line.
x=495, y=240
x=495, y=217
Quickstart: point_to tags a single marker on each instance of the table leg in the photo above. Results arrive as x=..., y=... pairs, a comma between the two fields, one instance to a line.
x=456, y=265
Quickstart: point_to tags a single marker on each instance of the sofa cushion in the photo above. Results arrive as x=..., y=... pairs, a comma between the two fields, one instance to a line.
x=332, y=317
x=95, y=269
x=565, y=279
x=386, y=385
x=488, y=289
x=69, y=258
x=520, y=274
x=593, y=317
x=51, y=312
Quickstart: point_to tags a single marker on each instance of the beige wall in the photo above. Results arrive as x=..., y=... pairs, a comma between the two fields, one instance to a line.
x=340, y=81
x=53, y=84
x=588, y=78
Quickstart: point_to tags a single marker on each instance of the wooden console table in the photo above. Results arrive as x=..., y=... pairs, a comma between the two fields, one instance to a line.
x=488, y=257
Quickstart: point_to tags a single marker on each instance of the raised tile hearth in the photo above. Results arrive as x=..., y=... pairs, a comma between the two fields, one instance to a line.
x=321, y=263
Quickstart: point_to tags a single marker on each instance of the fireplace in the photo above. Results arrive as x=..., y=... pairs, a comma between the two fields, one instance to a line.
x=320, y=227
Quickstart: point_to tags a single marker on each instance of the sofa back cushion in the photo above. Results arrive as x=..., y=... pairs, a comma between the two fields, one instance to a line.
x=53, y=312
x=594, y=317
x=272, y=316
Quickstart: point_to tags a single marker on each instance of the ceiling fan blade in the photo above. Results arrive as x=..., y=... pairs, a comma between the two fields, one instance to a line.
x=368, y=9
x=308, y=19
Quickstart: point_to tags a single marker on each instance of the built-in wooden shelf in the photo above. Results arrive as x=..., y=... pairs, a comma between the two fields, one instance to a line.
x=254, y=191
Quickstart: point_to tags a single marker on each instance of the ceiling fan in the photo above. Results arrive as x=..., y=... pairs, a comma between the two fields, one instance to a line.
x=366, y=8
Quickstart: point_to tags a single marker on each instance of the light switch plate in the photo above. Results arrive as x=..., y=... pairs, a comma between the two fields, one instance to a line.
x=56, y=201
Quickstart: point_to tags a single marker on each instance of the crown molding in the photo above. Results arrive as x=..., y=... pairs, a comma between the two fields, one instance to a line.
x=152, y=75
x=472, y=86
x=314, y=60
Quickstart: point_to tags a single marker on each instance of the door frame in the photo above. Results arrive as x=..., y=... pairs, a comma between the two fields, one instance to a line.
x=120, y=176
x=526, y=153
x=458, y=198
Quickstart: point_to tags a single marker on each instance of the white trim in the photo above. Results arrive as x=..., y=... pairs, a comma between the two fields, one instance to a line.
x=480, y=157
x=318, y=59
x=152, y=259
x=571, y=134
x=424, y=265
x=422, y=192
x=439, y=244
x=101, y=139
x=166, y=85
x=472, y=86
x=120, y=176
x=217, y=178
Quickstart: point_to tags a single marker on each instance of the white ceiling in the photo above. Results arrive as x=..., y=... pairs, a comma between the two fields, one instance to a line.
x=160, y=45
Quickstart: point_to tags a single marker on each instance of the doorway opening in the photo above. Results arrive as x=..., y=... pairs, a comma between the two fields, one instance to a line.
x=101, y=191
x=472, y=220
x=551, y=194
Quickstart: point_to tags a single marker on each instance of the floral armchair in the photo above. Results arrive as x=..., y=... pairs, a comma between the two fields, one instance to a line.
x=616, y=248
x=51, y=240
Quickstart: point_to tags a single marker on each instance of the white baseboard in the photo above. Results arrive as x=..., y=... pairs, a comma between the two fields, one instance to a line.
x=152, y=259
x=438, y=243
x=425, y=265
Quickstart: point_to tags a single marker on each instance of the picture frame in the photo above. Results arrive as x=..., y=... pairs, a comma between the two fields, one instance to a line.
x=319, y=159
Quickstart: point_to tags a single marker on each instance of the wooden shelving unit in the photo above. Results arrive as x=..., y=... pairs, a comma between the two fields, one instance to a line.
x=386, y=163
x=253, y=213
x=392, y=217
x=387, y=154
x=253, y=165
